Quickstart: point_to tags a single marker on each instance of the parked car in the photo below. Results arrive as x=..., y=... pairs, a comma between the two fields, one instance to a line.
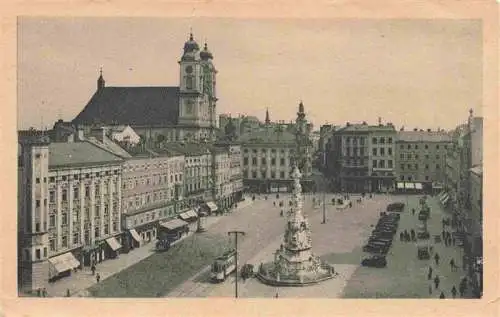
x=375, y=261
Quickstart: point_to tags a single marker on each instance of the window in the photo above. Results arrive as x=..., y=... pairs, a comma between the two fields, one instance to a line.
x=245, y=161
x=437, y=146
x=282, y=174
x=273, y=175
x=409, y=166
x=402, y=178
x=426, y=166
x=263, y=174
x=52, y=179
x=409, y=156
x=416, y=156
x=254, y=160
x=381, y=164
x=409, y=146
x=446, y=147
x=64, y=241
x=382, y=140
x=76, y=238
x=374, y=151
x=64, y=195
x=96, y=232
x=426, y=178
x=37, y=254
x=382, y=151
x=409, y=178
x=389, y=163
x=416, y=166
x=64, y=219
x=282, y=161
x=273, y=161
x=115, y=226
x=97, y=211
x=254, y=174
x=426, y=146
x=52, y=245
x=401, y=146
x=37, y=180
x=374, y=163
x=64, y=178
x=106, y=229
x=426, y=156
x=76, y=193
x=263, y=161
x=52, y=221
x=389, y=140
x=437, y=157
x=52, y=196
x=437, y=166
x=37, y=203
x=402, y=156
x=416, y=146
x=389, y=151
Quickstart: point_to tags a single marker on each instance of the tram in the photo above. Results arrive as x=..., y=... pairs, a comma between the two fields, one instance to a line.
x=223, y=266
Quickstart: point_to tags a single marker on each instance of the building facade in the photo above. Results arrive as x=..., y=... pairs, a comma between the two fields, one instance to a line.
x=162, y=114
x=421, y=157
x=151, y=187
x=70, y=209
x=361, y=158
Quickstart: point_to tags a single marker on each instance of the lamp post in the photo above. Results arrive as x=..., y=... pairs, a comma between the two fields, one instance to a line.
x=236, y=233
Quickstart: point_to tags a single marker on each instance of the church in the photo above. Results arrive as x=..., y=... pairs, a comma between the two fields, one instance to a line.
x=161, y=114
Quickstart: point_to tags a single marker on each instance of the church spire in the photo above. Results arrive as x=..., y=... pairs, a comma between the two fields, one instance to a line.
x=101, y=83
x=267, y=116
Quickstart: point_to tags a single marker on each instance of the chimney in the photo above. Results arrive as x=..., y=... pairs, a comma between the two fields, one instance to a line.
x=428, y=130
x=415, y=129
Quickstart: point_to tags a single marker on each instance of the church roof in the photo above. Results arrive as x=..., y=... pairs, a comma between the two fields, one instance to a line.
x=132, y=106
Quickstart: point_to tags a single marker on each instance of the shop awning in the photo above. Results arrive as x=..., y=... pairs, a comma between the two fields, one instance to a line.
x=190, y=214
x=113, y=243
x=401, y=185
x=418, y=185
x=63, y=262
x=409, y=185
x=137, y=237
x=445, y=199
x=173, y=224
x=212, y=206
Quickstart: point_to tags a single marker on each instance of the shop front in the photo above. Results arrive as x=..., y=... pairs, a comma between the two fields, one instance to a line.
x=173, y=230
x=62, y=265
x=112, y=248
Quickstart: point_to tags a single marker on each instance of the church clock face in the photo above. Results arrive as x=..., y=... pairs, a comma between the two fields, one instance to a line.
x=189, y=69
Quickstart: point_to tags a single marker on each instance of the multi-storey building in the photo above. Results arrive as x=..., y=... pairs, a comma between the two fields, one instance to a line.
x=421, y=157
x=151, y=186
x=198, y=185
x=228, y=181
x=69, y=212
x=361, y=158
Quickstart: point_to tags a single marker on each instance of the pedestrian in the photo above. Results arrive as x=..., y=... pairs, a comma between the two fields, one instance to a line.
x=274, y=203
x=436, y=281
x=442, y=296
x=98, y=277
x=436, y=258
x=430, y=289
x=401, y=236
x=68, y=294
x=454, y=291
x=92, y=268
x=443, y=233
x=431, y=249
x=461, y=289
x=44, y=292
x=276, y=296
x=453, y=240
x=452, y=264
x=430, y=273
x=413, y=211
x=39, y=292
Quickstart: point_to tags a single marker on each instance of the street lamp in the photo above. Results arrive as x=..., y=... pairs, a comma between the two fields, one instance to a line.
x=236, y=233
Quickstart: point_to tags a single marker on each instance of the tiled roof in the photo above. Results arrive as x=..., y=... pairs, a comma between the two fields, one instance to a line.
x=188, y=149
x=423, y=136
x=360, y=127
x=268, y=136
x=110, y=146
x=132, y=106
x=79, y=154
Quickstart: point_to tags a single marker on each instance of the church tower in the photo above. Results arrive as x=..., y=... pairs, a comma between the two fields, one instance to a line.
x=197, y=96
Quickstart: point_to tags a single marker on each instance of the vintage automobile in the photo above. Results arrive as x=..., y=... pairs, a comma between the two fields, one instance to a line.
x=396, y=207
x=162, y=245
x=423, y=253
x=247, y=271
x=377, y=261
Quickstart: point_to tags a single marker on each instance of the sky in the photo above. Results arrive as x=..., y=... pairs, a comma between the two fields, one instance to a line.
x=413, y=73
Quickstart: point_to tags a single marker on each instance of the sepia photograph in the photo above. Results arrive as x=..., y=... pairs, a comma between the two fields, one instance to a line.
x=249, y=158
